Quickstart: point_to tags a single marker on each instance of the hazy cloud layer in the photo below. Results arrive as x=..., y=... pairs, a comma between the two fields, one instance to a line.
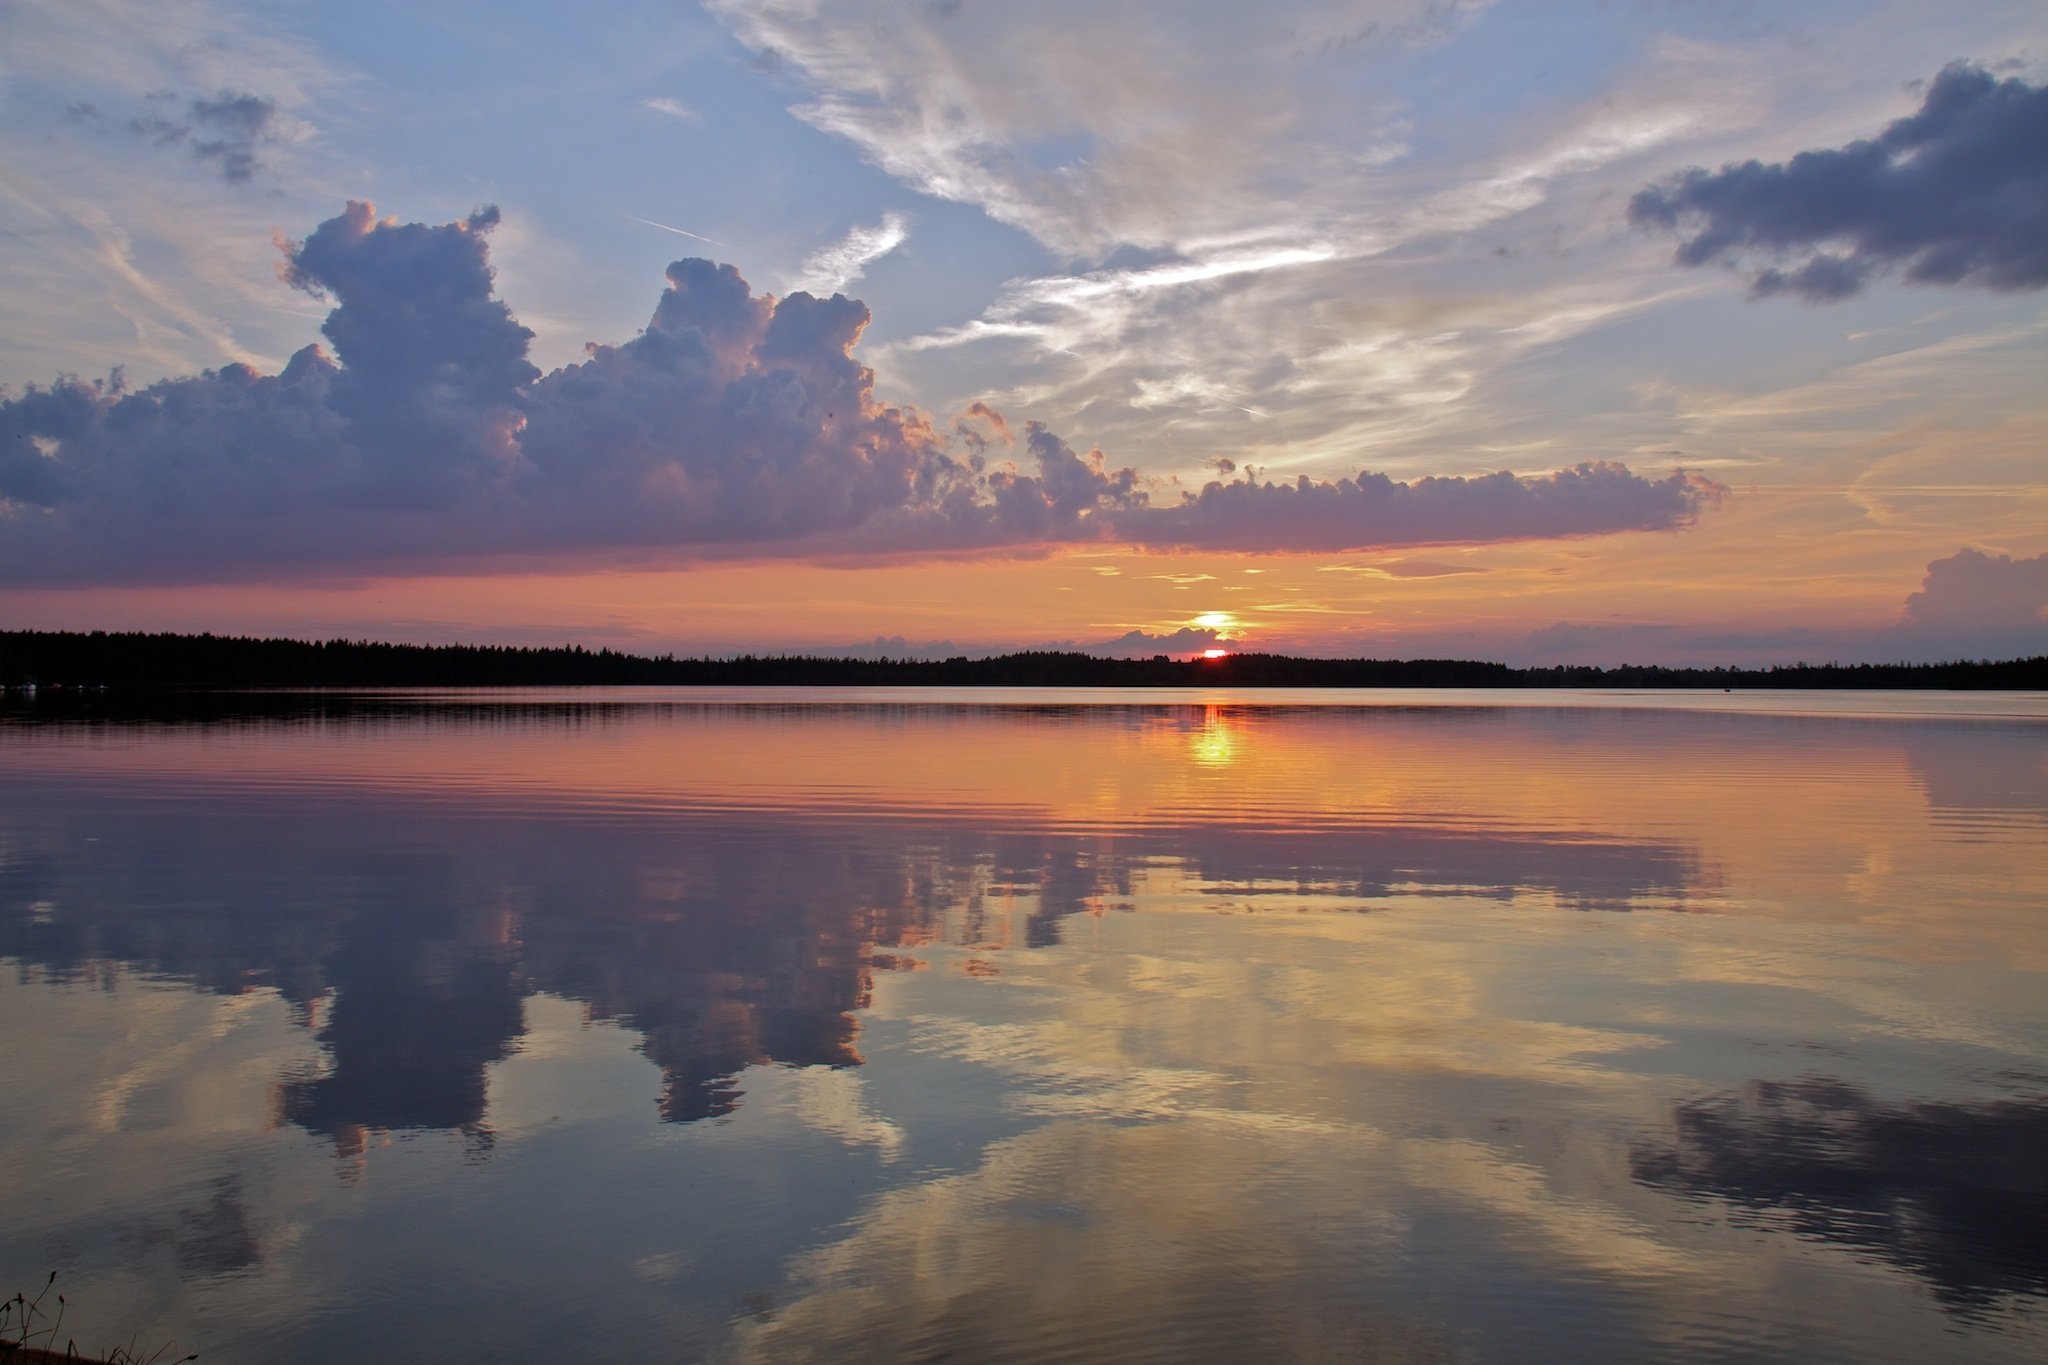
x=735, y=423
x=1970, y=605
x=1953, y=194
x=1373, y=511
x=1132, y=644
x=1140, y=644
x=222, y=130
x=1263, y=234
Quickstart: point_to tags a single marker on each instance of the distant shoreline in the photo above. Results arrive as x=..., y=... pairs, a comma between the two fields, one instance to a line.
x=92, y=662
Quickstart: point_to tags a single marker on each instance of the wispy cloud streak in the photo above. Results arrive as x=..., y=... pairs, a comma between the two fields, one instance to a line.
x=831, y=269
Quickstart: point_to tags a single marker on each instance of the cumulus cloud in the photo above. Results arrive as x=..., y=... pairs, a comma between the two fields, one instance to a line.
x=1952, y=194
x=434, y=367
x=1372, y=511
x=1974, y=604
x=734, y=424
x=1971, y=588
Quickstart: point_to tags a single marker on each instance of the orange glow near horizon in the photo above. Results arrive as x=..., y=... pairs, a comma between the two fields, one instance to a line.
x=1215, y=653
x=1462, y=602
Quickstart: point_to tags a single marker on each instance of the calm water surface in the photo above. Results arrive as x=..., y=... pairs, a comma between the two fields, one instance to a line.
x=792, y=1026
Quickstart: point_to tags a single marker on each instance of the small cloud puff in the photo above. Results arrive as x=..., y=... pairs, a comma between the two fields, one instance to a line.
x=1954, y=194
x=674, y=108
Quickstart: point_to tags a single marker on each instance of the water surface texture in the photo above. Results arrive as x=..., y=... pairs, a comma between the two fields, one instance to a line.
x=1032, y=1026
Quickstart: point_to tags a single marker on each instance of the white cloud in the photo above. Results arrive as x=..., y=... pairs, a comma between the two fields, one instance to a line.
x=674, y=108
x=829, y=270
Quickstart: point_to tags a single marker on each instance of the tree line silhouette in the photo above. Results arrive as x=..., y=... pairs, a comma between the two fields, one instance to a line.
x=130, y=660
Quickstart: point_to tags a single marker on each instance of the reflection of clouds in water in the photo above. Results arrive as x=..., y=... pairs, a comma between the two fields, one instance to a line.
x=409, y=936
x=1955, y=1193
x=217, y=1237
x=426, y=997
x=1982, y=769
x=837, y=1103
x=1174, y=1241
x=1217, y=1237
x=1208, y=1105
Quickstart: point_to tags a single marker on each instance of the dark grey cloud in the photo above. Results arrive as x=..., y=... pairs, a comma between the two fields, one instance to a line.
x=420, y=436
x=222, y=130
x=1953, y=194
x=1945, y=1191
x=1372, y=511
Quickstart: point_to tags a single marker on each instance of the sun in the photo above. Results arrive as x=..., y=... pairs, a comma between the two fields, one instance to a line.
x=1215, y=653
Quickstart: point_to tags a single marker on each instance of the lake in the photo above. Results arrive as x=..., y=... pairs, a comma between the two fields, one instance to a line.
x=786, y=1026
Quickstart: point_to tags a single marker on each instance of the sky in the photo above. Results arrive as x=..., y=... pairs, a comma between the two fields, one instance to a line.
x=1642, y=331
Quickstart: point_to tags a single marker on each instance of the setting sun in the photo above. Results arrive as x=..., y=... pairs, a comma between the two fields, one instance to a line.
x=1215, y=653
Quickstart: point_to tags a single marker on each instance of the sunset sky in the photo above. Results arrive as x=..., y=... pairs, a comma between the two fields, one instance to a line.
x=1545, y=332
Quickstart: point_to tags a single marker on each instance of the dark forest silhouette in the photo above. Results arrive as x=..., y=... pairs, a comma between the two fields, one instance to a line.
x=136, y=660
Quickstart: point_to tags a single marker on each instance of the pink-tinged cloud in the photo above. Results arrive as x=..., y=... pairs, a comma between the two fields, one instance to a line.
x=1372, y=511
x=1971, y=605
x=1976, y=605
x=1973, y=589
x=734, y=425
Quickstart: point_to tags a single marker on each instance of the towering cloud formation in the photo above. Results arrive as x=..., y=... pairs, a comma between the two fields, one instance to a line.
x=734, y=424
x=1973, y=603
x=435, y=367
x=1954, y=194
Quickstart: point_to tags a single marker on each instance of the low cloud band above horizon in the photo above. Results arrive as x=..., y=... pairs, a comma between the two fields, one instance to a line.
x=735, y=426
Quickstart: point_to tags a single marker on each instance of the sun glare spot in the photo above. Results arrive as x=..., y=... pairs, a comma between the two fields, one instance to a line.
x=1215, y=653
x=1215, y=744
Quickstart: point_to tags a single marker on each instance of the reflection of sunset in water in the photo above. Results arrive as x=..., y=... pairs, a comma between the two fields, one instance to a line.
x=1215, y=742
x=1206, y=1030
